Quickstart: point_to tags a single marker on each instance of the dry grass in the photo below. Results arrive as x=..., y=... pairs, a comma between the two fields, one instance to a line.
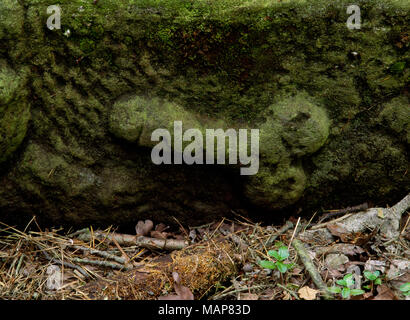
x=88, y=271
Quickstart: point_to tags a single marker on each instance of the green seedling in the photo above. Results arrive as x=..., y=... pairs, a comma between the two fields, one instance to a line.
x=281, y=255
x=373, y=277
x=405, y=288
x=347, y=283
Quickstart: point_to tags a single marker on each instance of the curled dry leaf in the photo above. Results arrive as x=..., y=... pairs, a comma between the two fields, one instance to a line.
x=160, y=227
x=54, y=279
x=182, y=292
x=143, y=228
x=158, y=235
x=307, y=293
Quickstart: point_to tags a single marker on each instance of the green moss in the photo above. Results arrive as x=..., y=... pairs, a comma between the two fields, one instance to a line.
x=296, y=122
x=275, y=188
x=54, y=171
x=396, y=114
x=135, y=118
x=14, y=111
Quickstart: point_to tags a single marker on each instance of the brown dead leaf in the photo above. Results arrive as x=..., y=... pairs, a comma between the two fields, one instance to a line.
x=307, y=293
x=160, y=227
x=248, y=296
x=296, y=271
x=158, y=235
x=345, y=248
x=182, y=292
x=358, y=238
x=336, y=230
x=332, y=273
x=384, y=293
x=367, y=295
x=286, y=296
x=143, y=228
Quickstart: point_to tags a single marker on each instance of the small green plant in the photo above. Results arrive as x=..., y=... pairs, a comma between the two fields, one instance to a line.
x=346, y=290
x=373, y=277
x=405, y=288
x=281, y=255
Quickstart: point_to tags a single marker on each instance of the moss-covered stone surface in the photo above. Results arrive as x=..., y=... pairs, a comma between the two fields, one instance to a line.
x=78, y=105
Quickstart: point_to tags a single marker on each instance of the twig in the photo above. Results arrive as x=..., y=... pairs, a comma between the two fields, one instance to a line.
x=385, y=220
x=322, y=225
x=100, y=263
x=310, y=267
x=165, y=244
x=288, y=225
x=141, y=241
x=332, y=213
x=101, y=253
x=294, y=233
x=19, y=263
x=226, y=292
x=64, y=263
x=124, y=255
x=288, y=290
x=76, y=233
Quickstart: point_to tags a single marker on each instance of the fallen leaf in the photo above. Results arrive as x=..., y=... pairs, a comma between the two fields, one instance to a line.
x=182, y=292
x=334, y=260
x=286, y=296
x=358, y=238
x=161, y=227
x=384, y=293
x=332, y=273
x=374, y=265
x=345, y=248
x=307, y=293
x=143, y=228
x=336, y=230
x=248, y=296
x=54, y=279
x=367, y=295
x=158, y=235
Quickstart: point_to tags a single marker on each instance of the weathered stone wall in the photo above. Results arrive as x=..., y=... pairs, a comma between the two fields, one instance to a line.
x=77, y=109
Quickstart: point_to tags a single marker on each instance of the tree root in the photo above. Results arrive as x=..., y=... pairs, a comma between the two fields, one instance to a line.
x=387, y=219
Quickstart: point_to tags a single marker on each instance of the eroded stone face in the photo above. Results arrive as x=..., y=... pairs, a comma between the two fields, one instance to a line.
x=77, y=112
